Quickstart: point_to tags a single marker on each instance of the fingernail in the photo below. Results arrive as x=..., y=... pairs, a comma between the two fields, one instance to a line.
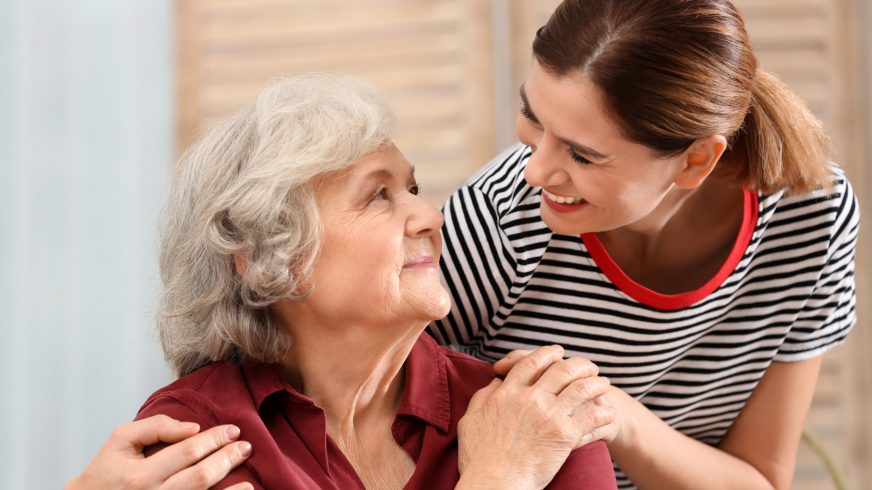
x=586, y=439
x=244, y=449
x=233, y=432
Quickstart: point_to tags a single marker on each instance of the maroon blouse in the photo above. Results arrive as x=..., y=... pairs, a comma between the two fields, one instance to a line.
x=291, y=448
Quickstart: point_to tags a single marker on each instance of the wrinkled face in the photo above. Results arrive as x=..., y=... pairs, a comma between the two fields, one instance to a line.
x=379, y=258
x=593, y=178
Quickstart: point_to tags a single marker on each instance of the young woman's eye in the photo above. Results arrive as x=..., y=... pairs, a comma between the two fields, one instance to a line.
x=578, y=158
x=415, y=189
x=525, y=111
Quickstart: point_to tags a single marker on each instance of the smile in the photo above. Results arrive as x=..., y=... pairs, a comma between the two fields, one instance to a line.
x=563, y=204
x=562, y=199
x=422, y=262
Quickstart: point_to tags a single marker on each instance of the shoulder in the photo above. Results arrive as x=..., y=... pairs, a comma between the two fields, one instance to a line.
x=587, y=467
x=465, y=373
x=825, y=215
x=196, y=396
x=500, y=183
x=498, y=205
x=836, y=201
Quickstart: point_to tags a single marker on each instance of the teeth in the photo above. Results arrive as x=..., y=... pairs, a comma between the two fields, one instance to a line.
x=562, y=199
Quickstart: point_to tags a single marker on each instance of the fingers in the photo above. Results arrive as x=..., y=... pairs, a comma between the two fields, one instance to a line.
x=212, y=469
x=579, y=392
x=528, y=370
x=565, y=371
x=591, y=420
x=145, y=432
x=180, y=455
x=504, y=365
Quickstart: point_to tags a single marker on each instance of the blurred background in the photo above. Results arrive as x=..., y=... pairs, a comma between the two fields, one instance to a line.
x=100, y=96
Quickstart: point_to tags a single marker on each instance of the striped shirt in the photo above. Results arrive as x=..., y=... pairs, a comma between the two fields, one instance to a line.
x=785, y=294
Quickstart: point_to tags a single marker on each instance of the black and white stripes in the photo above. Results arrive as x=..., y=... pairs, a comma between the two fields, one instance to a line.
x=515, y=284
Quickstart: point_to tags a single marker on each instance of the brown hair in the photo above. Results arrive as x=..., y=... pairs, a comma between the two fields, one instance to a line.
x=673, y=71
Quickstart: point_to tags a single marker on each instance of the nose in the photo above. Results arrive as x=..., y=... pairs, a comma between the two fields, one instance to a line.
x=545, y=167
x=424, y=219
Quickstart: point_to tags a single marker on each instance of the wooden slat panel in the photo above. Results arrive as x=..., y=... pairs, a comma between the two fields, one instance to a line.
x=355, y=21
x=430, y=58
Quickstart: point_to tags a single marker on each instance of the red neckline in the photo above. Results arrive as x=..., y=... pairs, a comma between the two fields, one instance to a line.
x=678, y=301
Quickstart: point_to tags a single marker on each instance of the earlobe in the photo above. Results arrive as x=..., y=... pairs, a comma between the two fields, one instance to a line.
x=699, y=160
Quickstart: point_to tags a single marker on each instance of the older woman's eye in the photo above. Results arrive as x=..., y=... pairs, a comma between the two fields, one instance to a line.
x=381, y=193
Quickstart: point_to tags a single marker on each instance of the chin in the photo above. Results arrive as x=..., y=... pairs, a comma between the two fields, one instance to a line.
x=564, y=228
x=438, y=306
x=441, y=305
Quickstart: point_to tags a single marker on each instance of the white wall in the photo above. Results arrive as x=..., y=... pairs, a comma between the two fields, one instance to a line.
x=85, y=146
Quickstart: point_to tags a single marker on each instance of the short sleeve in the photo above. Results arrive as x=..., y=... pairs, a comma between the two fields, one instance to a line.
x=589, y=467
x=829, y=313
x=478, y=264
x=186, y=412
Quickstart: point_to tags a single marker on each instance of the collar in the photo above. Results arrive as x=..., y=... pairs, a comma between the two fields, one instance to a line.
x=425, y=393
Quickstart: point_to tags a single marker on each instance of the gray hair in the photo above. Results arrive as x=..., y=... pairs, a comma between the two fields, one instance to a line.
x=245, y=189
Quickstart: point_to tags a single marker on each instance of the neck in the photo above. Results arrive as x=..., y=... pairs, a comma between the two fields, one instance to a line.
x=683, y=242
x=354, y=374
x=681, y=213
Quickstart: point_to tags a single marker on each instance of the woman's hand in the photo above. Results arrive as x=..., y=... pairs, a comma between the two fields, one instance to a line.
x=518, y=432
x=608, y=432
x=197, y=462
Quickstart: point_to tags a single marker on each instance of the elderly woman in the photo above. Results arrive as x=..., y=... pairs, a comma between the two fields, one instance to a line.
x=300, y=270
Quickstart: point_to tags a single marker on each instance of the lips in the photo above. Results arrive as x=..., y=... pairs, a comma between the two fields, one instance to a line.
x=421, y=261
x=563, y=204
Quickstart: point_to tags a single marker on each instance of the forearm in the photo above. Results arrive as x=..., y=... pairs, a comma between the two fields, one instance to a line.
x=654, y=455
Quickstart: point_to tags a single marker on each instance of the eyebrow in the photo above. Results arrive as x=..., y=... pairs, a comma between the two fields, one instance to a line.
x=385, y=174
x=578, y=147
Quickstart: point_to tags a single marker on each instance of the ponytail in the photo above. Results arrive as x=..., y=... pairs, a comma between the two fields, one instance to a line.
x=782, y=143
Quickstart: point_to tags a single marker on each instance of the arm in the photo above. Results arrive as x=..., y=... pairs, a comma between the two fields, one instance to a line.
x=759, y=451
x=199, y=460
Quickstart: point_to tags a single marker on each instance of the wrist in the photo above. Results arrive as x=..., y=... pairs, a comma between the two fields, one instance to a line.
x=626, y=434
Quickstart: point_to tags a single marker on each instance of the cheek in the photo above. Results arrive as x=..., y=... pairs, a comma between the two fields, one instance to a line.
x=640, y=200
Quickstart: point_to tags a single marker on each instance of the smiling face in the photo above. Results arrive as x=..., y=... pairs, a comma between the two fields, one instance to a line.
x=593, y=178
x=379, y=260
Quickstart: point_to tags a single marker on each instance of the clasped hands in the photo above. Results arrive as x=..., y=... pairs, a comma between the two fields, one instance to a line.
x=520, y=429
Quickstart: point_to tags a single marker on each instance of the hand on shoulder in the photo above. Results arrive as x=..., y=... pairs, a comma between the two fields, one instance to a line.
x=192, y=460
x=523, y=428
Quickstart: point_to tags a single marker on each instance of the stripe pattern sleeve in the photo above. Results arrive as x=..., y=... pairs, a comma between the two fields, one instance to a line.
x=829, y=312
x=478, y=263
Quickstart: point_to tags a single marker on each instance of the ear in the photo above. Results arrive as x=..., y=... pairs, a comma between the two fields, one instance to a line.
x=699, y=160
x=240, y=262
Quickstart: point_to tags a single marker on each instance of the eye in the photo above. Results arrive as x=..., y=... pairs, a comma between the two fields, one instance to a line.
x=415, y=189
x=578, y=158
x=525, y=111
x=380, y=193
